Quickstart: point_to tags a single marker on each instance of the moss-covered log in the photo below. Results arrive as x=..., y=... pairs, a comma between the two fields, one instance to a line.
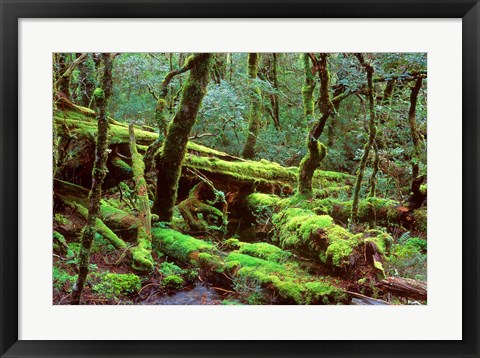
x=169, y=163
x=222, y=169
x=259, y=273
x=318, y=237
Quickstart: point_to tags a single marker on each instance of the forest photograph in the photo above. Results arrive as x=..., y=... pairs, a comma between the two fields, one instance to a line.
x=239, y=178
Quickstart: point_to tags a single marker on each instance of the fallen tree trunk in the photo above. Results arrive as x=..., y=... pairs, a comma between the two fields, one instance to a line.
x=374, y=211
x=404, y=287
x=224, y=170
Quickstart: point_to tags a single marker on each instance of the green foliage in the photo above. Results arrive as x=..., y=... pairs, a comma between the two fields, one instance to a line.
x=175, y=277
x=407, y=260
x=62, y=280
x=115, y=286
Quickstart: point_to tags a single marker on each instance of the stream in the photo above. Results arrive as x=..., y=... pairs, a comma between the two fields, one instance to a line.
x=202, y=295
x=198, y=295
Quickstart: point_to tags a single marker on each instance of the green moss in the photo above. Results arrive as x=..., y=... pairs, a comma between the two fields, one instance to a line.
x=381, y=239
x=233, y=243
x=287, y=280
x=259, y=201
x=230, y=303
x=59, y=218
x=420, y=216
x=179, y=246
x=378, y=265
x=115, y=285
x=173, y=282
x=339, y=251
x=265, y=251
x=120, y=164
x=98, y=93
x=371, y=210
x=117, y=219
x=142, y=253
x=314, y=235
x=101, y=228
x=423, y=189
x=59, y=241
x=260, y=172
x=212, y=262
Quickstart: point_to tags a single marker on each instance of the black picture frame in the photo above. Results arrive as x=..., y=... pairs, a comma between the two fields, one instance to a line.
x=12, y=11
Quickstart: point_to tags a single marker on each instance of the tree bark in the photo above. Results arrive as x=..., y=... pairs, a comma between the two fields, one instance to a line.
x=371, y=138
x=169, y=164
x=255, y=105
x=404, y=287
x=98, y=175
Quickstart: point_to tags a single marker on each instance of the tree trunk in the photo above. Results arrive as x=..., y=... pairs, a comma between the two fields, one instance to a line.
x=316, y=150
x=269, y=73
x=98, y=175
x=371, y=138
x=255, y=105
x=387, y=95
x=413, y=128
x=161, y=116
x=142, y=258
x=86, y=81
x=63, y=82
x=169, y=164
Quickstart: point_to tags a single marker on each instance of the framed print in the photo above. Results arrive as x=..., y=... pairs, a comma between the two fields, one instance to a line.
x=239, y=179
